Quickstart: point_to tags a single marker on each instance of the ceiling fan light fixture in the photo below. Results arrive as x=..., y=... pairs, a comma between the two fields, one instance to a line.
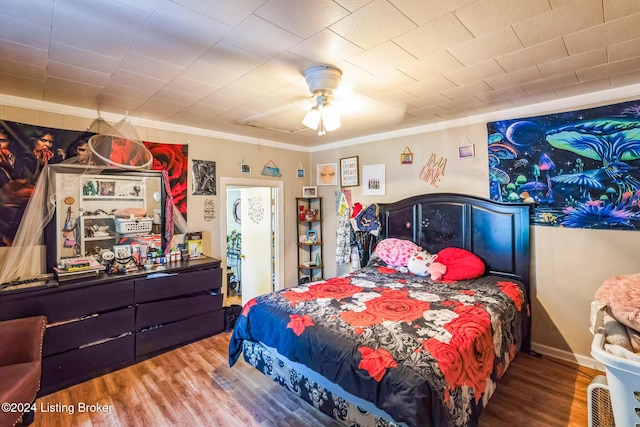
x=322, y=81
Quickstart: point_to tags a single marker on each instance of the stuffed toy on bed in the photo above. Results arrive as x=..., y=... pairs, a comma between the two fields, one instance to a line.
x=419, y=263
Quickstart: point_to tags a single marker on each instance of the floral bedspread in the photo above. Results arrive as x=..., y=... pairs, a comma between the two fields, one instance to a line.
x=429, y=354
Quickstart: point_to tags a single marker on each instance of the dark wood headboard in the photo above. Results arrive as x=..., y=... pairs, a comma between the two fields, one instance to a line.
x=496, y=232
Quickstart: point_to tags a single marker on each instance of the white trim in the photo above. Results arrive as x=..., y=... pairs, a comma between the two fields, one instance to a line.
x=567, y=356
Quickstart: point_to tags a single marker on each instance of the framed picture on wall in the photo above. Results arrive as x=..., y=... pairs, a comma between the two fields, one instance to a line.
x=349, y=176
x=327, y=174
x=310, y=191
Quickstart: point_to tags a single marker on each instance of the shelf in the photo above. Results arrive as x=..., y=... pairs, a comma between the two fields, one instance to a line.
x=111, y=198
x=93, y=239
x=310, y=244
x=310, y=267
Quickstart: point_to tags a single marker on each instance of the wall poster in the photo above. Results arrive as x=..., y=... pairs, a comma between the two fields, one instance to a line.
x=581, y=169
x=26, y=149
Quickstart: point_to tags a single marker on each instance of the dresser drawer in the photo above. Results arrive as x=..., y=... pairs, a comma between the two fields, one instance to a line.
x=74, y=334
x=172, y=285
x=162, y=338
x=65, y=369
x=167, y=311
x=65, y=304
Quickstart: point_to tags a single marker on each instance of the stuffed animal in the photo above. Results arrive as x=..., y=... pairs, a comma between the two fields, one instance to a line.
x=437, y=270
x=420, y=261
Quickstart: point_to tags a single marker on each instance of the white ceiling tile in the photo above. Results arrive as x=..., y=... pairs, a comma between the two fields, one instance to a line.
x=174, y=97
x=501, y=94
x=303, y=18
x=527, y=57
x=465, y=102
x=623, y=29
x=433, y=99
x=103, y=27
x=24, y=32
x=614, y=9
x=384, y=56
x=373, y=24
x=25, y=54
x=80, y=94
x=581, y=88
x=20, y=86
x=151, y=67
x=474, y=73
x=574, y=62
x=38, y=12
x=610, y=69
x=190, y=87
x=127, y=78
x=25, y=70
x=117, y=104
x=261, y=38
x=486, y=16
x=432, y=65
x=325, y=47
x=82, y=58
x=429, y=86
x=166, y=36
x=76, y=74
x=155, y=109
x=229, y=12
x=353, y=5
x=486, y=47
x=549, y=83
x=626, y=79
x=421, y=12
x=471, y=89
x=520, y=76
x=624, y=50
x=433, y=37
x=558, y=22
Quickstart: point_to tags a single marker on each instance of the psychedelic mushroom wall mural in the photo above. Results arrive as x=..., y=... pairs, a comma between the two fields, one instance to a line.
x=579, y=169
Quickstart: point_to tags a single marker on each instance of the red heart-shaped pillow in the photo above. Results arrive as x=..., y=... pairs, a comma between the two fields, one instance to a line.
x=461, y=264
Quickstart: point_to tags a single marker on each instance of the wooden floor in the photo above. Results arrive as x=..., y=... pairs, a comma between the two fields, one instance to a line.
x=194, y=386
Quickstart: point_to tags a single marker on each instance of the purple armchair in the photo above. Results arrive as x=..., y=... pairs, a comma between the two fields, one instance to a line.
x=20, y=367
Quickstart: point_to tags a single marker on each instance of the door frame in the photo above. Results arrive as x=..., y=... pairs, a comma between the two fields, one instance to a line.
x=279, y=223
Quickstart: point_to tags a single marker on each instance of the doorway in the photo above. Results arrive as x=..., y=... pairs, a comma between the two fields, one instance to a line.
x=252, y=221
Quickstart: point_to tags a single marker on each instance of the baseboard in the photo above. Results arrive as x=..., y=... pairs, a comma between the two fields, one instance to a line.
x=581, y=360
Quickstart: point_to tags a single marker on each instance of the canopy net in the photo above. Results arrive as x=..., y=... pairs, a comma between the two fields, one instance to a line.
x=106, y=147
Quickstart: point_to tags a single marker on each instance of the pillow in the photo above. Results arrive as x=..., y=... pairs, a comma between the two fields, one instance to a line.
x=419, y=263
x=461, y=264
x=621, y=294
x=396, y=252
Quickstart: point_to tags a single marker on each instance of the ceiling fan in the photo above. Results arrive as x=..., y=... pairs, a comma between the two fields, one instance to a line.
x=323, y=81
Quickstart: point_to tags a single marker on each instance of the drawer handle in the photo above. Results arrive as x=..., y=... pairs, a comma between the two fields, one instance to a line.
x=156, y=275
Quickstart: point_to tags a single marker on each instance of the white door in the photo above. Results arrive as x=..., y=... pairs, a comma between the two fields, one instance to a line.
x=257, y=242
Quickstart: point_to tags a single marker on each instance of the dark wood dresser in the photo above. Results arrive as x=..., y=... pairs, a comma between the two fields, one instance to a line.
x=102, y=324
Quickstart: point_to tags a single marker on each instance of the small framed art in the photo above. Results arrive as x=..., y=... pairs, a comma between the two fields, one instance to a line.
x=349, y=176
x=466, y=149
x=311, y=236
x=310, y=191
x=327, y=174
x=245, y=168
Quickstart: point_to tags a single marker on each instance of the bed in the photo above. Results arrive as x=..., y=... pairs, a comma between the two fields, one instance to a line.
x=383, y=347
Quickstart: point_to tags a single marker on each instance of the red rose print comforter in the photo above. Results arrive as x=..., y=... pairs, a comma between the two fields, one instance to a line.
x=429, y=354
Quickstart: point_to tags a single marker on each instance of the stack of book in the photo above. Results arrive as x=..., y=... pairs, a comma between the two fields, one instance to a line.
x=77, y=268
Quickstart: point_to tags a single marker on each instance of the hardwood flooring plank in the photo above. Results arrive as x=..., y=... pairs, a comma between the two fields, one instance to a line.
x=194, y=386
